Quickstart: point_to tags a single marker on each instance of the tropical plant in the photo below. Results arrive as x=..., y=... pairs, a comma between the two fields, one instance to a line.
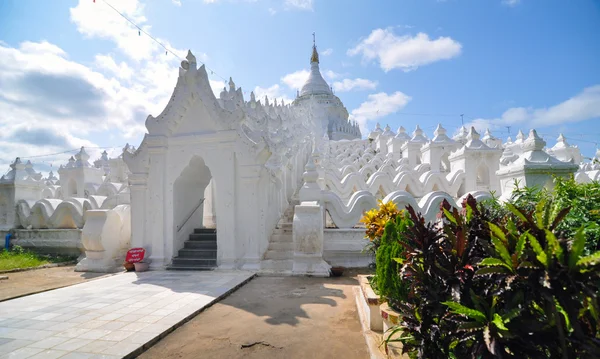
x=520, y=289
x=375, y=221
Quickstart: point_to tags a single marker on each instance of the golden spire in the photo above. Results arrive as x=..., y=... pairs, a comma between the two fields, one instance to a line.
x=315, y=54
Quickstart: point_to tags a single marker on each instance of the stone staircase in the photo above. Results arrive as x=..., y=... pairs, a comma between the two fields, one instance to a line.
x=199, y=251
x=278, y=259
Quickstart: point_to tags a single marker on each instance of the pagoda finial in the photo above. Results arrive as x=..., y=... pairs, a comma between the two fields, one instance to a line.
x=315, y=54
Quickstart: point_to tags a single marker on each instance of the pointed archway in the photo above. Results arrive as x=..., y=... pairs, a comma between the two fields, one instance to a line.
x=195, y=246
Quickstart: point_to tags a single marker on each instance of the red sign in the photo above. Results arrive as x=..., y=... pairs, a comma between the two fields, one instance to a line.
x=135, y=255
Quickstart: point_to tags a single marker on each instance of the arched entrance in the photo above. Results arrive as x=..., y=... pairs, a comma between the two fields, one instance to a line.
x=195, y=244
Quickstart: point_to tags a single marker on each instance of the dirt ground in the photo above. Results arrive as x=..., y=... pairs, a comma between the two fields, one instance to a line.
x=273, y=317
x=33, y=281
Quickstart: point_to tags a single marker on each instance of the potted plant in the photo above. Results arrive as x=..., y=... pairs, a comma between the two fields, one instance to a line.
x=141, y=266
x=336, y=271
x=128, y=266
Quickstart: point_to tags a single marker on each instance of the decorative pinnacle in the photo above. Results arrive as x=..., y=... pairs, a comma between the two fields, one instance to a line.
x=315, y=54
x=417, y=131
x=473, y=135
x=439, y=130
x=534, y=142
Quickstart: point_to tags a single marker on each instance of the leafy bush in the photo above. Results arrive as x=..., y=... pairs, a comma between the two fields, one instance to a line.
x=521, y=289
x=387, y=280
x=582, y=198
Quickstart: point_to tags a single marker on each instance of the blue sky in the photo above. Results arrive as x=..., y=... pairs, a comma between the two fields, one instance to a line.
x=75, y=73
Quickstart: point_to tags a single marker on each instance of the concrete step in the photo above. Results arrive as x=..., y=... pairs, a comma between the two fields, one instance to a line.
x=198, y=253
x=200, y=245
x=275, y=273
x=203, y=237
x=282, y=231
x=194, y=262
x=205, y=230
x=278, y=255
x=285, y=225
x=277, y=265
x=281, y=246
x=280, y=237
x=171, y=267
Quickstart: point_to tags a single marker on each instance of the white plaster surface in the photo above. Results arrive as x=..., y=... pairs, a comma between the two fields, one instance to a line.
x=110, y=317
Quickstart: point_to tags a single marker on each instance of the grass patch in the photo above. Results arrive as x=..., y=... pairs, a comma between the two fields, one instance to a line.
x=17, y=257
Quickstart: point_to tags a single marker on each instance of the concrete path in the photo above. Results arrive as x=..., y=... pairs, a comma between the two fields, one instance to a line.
x=273, y=318
x=112, y=317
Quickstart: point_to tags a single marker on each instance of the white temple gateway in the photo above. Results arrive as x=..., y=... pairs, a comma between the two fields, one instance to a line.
x=270, y=187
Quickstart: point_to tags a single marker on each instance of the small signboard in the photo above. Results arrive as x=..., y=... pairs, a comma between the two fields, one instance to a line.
x=135, y=255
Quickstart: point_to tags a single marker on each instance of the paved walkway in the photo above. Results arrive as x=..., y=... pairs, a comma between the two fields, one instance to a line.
x=112, y=317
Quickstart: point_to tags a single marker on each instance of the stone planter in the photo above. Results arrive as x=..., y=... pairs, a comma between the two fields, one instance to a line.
x=141, y=266
x=370, y=302
x=390, y=319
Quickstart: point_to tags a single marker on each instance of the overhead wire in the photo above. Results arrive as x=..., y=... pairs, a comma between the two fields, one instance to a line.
x=213, y=72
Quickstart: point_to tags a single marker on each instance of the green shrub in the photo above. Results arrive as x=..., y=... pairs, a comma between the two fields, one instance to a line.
x=583, y=199
x=388, y=282
x=520, y=289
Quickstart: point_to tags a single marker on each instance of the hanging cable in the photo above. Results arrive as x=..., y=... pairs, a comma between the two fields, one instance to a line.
x=167, y=50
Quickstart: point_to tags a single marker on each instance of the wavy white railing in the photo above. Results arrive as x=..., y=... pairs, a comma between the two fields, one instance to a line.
x=409, y=181
x=53, y=213
x=587, y=176
x=347, y=216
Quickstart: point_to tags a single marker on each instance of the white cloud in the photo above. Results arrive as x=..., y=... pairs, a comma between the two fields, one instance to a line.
x=176, y=2
x=378, y=105
x=331, y=74
x=272, y=11
x=327, y=52
x=106, y=62
x=299, y=4
x=66, y=104
x=295, y=80
x=273, y=92
x=581, y=107
x=511, y=3
x=405, y=52
x=354, y=84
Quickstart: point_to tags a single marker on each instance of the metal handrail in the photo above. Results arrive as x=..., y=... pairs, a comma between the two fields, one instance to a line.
x=191, y=214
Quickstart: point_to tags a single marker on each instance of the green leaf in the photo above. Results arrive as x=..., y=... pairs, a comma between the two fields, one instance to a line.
x=498, y=322
x=553, y=246
x=539, y=213
x=494, y=262
x=497, y=232
x=466, y=311
x=564, y=314
x=516, y=212
x=469, y=213
x=537, y=248
x=492, y=270
x=470, y=326
x=449, y=216
x=577, y=247
x=520, y=245
x=399, y=260
x=591, y=260
x=506, y=318
x=502, y=251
